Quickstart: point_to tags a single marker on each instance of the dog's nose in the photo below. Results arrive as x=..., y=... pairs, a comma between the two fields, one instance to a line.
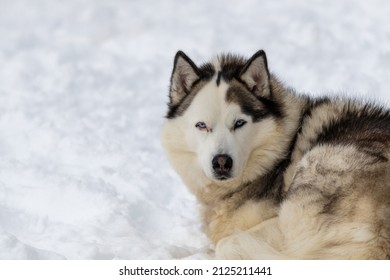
x=222, y=164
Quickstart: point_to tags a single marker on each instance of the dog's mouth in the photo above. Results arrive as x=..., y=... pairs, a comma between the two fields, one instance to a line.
x=222, y=178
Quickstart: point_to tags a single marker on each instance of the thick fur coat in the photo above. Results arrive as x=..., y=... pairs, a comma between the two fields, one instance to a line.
x=279, y=175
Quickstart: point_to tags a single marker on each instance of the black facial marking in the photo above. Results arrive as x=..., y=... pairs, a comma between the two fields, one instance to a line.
x=256, y=107
x=231, y=66
x=219, y=78
x=207, y=71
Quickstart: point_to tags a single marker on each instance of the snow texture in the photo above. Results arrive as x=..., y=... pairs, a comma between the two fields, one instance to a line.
x=83, y=93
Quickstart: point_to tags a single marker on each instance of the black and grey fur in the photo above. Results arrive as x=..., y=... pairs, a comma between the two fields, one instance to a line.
x=315, y=186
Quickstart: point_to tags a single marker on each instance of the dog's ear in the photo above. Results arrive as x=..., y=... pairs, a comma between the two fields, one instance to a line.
x=256, y=76
x=185, y=73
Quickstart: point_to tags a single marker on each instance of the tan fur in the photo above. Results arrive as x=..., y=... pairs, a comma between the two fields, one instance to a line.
x=302, y=232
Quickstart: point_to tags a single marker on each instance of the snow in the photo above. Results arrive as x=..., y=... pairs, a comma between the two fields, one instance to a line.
x=83, y=93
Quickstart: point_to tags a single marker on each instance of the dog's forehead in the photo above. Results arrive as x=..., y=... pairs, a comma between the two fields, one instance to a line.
x=218, y=89
x=225, y=100
x=211, y=105
x=211, y=97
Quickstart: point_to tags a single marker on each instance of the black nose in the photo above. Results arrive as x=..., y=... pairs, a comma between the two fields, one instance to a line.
x=222, y=164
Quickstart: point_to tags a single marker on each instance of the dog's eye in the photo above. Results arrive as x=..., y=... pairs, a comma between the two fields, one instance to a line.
x=201, y=125
x=239, y=123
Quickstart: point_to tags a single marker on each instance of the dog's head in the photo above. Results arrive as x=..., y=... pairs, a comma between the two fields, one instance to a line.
x=221, y=118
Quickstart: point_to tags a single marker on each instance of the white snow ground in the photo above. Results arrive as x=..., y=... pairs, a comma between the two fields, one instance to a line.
x=83, y=88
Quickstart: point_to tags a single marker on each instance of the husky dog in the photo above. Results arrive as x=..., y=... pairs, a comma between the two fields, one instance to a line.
x=279, y=175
